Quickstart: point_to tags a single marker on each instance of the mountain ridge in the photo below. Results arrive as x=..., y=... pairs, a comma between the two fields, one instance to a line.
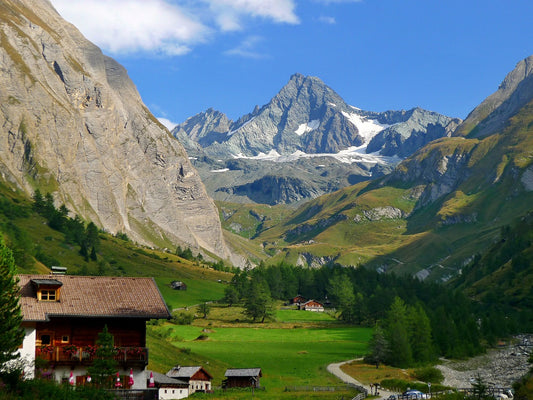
x=305, y=122
x=429, y=217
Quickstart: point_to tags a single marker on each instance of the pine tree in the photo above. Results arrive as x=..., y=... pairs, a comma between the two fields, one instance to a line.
x=104, y=365
x=420, y=335
x=259, y=302
x=11, y=333
x=379, y=347
x=397, y=335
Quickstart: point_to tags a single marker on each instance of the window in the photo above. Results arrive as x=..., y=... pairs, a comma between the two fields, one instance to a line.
x=64, y=339
x=48, y=295
x=46, y=339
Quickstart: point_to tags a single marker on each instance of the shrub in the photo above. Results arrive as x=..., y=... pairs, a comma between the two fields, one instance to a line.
x=182, y=318
x=428, y=374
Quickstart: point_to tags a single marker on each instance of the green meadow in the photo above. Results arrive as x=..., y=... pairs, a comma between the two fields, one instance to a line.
x=294, y=350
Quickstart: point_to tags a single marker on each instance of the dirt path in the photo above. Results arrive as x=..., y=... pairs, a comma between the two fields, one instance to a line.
x=336, y=370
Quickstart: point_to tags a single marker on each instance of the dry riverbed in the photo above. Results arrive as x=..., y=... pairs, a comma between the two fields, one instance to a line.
x=498, y=367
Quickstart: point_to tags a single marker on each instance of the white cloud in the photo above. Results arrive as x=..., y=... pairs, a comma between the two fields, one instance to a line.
x=128, y=26
x=327, y=20
x=247, y=48
x=167, y=27
x=168, y=123
x=229, y=13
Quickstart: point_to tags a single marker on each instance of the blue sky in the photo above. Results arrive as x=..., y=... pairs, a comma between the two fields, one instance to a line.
x=188, y=55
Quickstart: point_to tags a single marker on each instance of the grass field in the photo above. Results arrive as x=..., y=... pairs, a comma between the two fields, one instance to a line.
x=292, y=351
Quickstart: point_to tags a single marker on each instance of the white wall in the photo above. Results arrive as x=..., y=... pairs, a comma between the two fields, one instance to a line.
x=173, y=393
x=27, y=352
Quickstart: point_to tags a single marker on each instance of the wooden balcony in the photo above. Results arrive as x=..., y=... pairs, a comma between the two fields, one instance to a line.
x=84, y=355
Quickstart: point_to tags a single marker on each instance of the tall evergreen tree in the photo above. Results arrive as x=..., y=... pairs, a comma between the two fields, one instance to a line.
x=259, y=302
x=420, y=335
x=397, y=334
x=104, y=365
x=11, y=333
x=379, y=347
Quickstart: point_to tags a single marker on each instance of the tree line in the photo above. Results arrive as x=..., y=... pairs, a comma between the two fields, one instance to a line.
x=74, y=229
x=417, y=321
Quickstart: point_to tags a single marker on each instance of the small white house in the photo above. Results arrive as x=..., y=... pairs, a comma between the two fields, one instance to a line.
x=312, y=305
x=168, y=388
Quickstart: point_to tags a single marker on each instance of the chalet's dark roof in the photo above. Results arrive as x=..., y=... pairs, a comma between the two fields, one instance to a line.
x=47, y=282
x=242, y=372
x=163, y=380
x=186, y=372
x=94, y=296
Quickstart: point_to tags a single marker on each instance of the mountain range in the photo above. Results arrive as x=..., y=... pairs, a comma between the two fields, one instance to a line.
x=439, y=209
x=406, y=191
x=304, y=143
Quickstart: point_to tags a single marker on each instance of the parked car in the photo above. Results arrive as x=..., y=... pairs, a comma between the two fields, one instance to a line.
x=414, y=395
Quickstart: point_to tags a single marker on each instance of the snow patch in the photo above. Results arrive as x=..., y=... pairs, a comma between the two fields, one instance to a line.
x=310, y=126
x=349, y=156
x=220, y=170
x=368, y=128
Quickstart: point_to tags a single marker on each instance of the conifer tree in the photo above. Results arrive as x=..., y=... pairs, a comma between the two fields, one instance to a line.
x=397, y=334
x=379, y=347
x=11, y=333
x=104, y=365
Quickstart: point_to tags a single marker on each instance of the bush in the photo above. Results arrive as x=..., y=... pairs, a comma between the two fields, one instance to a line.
x=35, y=389
x=428, y=374
x=182, y=318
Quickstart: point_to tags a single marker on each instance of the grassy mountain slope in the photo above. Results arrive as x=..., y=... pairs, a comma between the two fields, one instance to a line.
x=435, y=212
x=37, y=247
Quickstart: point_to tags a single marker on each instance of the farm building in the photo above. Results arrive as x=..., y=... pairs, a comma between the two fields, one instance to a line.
x=298, y=300
x=178, y=285
x=312, y=305
x=197, y=377
x=242, y=377
x=63, y=315
x=168, y=388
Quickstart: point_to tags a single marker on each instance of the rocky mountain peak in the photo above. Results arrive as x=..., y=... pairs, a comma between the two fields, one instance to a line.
x=492, y=114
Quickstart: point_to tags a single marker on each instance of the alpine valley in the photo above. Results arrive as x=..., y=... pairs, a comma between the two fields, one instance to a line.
x=434, y=214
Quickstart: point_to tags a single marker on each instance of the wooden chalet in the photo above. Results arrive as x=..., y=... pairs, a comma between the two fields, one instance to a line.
x=298, y=300
x=63, y=314
x=312, y=305
x=197, y=377
x=168, y=388
x=242, y=377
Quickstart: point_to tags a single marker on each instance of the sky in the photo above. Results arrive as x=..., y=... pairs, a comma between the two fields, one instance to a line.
x=186, y=56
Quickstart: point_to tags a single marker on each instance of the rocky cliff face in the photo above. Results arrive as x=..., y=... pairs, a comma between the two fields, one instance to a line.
x=73, y=123
x=289, y=139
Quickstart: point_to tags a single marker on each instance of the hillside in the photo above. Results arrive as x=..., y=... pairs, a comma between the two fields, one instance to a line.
x=36, y=247
x=73, y=124
x=432, y=215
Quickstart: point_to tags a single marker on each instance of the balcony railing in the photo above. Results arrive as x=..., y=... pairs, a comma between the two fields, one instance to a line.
x=86, y=354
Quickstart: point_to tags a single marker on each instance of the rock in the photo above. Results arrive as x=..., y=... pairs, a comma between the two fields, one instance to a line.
x=72, y=122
